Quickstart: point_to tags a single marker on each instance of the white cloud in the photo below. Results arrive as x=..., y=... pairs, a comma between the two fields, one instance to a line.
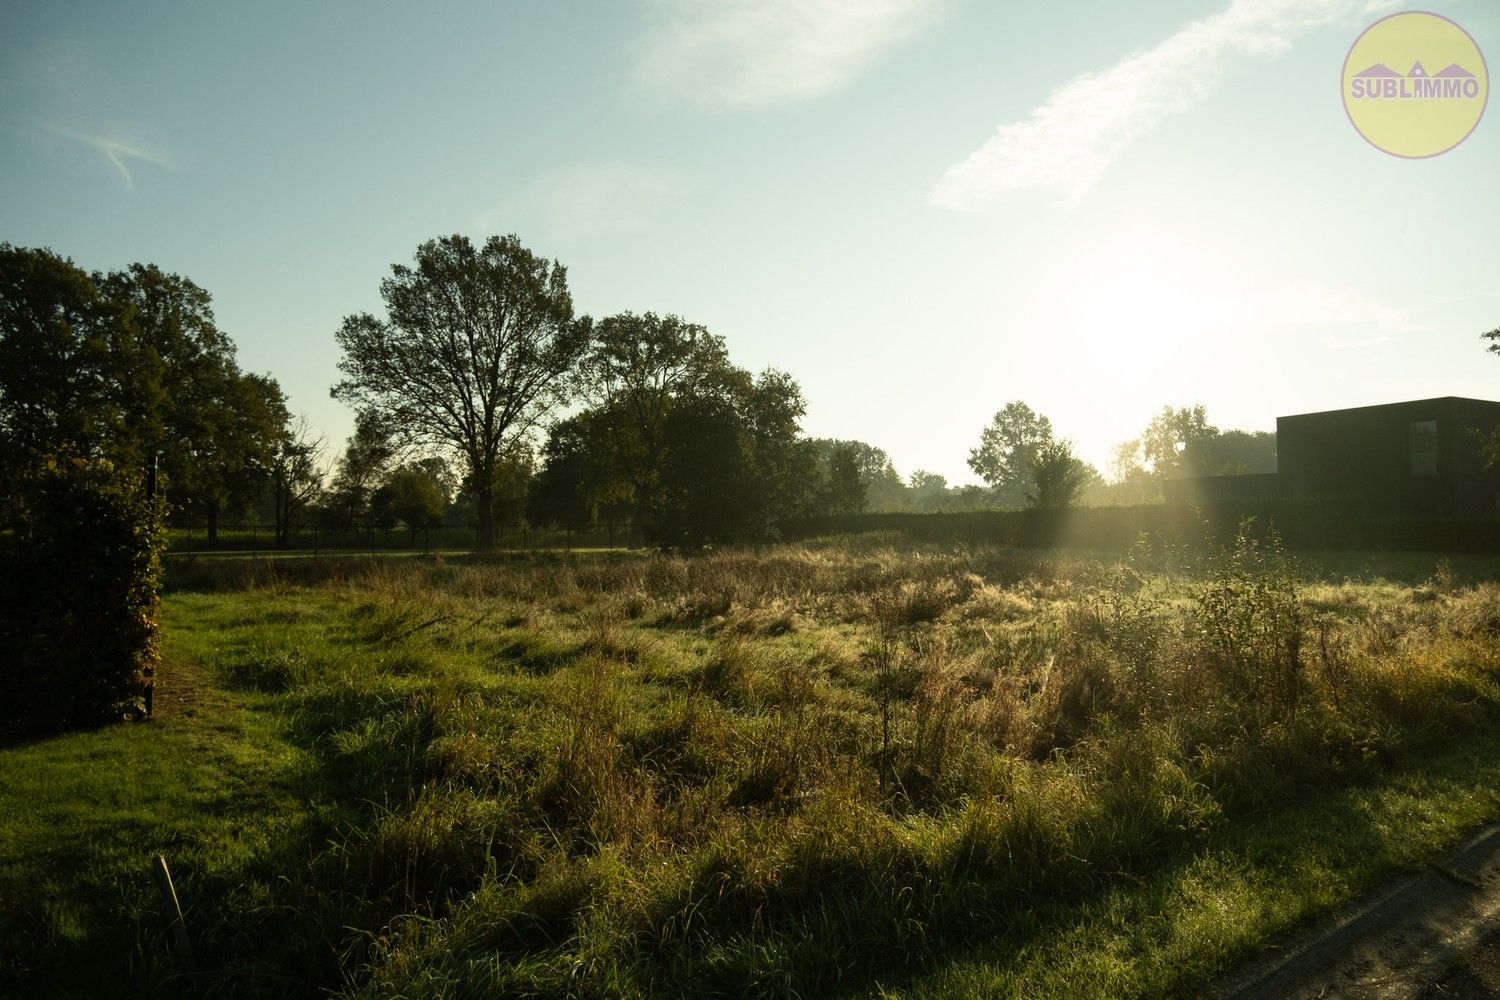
x=1068, y=142
x=116, y=152
x=1313, y=304
x=737, y=54
x=583, y=200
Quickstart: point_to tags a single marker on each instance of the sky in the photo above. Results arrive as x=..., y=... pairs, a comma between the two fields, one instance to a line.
x=921, y=209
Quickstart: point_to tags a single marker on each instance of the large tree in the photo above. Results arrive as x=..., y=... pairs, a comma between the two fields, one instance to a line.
x=130, y=365
x=1008, y=449
x=58, y=340
x=477, y=345
x=638, y=369
x=699, y=449
x=216, y=428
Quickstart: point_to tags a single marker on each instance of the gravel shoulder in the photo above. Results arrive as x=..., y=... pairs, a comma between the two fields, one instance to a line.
x=1434, y=934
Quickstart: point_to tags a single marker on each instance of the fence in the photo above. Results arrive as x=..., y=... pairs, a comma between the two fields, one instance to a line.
x=448, y=538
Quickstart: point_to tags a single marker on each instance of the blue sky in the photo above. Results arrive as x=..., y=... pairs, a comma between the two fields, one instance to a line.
x=920, y=208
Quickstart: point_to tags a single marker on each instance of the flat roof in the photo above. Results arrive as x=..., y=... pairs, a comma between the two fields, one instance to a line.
x=1382, y=406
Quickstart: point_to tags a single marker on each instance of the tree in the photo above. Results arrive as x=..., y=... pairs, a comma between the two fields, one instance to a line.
x=733, y=466
x=476, y=347
x=415, y=494
x=1178, y=442
x=929, y=490
x=296, y=475
x=845, y=490
x=1057, y=476
x=129, y=365
x=883, y=488
x=1230, y=453
x=367, y=455
x=566, y=492
x=57, y=340
x=638, y=369
x=1131, y=481
x=235, y=460
x=1169, y=437
x=772, y=407
x=216, y=429
x=708, y=482
x=1007, y=449
x=580, y=481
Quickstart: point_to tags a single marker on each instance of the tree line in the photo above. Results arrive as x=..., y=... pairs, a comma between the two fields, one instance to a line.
x=128, y=366
x=482, y=397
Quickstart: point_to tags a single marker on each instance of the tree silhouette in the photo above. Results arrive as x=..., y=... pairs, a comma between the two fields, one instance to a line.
x=1057, y=476
x=638, y=370
x=1008, y=448
x=477, y=346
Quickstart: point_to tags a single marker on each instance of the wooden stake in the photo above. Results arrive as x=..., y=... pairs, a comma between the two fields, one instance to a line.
x=174, y=910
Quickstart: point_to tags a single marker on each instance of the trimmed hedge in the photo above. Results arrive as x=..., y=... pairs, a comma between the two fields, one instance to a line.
x=1300, y=525
x=83, y=570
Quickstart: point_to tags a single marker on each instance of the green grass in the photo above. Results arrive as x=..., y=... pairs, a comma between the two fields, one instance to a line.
x=1247, y=886
x=843, y=768
x=208, y=784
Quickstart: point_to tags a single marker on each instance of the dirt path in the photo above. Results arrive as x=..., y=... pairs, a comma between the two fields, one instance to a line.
x=181, y=689
x=1434, y=935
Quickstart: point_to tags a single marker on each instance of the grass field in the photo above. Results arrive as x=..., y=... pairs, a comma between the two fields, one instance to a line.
x=850, y=768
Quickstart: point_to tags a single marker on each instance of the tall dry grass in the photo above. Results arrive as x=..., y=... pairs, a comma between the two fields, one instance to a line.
x=786, y=769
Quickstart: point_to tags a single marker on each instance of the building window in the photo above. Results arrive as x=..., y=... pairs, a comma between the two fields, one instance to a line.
x=1424, y=447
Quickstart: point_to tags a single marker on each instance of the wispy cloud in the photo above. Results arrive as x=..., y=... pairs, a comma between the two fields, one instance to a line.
x=118, y=153
x=738, y=54
x=1313, y=304
x=584, y=200
x=1067, y=143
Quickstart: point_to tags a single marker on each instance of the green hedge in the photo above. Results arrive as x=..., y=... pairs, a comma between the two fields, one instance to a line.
x=1303, y=526
x=79, y=632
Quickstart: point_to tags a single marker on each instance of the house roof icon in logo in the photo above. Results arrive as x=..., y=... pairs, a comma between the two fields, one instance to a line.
x=1417, y=69
x=1453, y=70
x=1378, y=70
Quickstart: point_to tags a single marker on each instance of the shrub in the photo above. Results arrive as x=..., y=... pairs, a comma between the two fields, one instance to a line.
x=1251, y=624
x=79, y=635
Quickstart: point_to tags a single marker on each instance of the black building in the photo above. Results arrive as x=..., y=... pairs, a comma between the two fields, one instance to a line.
x=1424, y=458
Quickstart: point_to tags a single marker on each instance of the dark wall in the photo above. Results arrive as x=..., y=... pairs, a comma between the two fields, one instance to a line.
x=1476, y=490
x=1364, y=458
